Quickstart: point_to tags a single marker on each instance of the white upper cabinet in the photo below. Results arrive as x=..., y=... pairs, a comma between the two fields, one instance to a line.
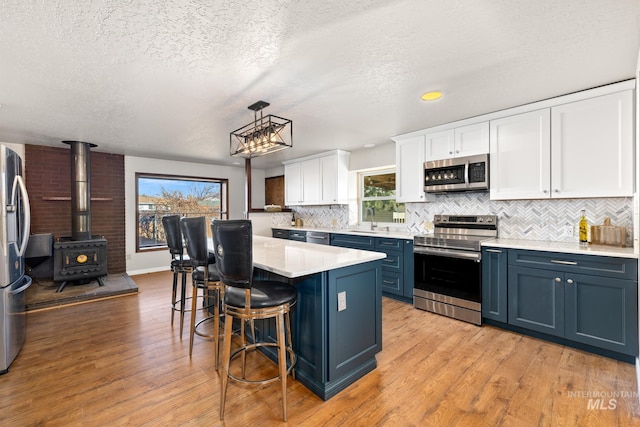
x=519, y=156
x=471, y=140
x=317, y=180
x=410, y=158
x=573, y=150
x=458, y=142
x=292, y=184
x=334, y=170
x=592, y=147
x=438, y=145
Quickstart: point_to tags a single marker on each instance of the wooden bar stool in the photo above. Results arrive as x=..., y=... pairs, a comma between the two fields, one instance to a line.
x=204, y=277
x=248, y=300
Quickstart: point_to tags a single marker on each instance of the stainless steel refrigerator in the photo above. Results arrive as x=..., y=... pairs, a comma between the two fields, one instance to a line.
x=14, y=236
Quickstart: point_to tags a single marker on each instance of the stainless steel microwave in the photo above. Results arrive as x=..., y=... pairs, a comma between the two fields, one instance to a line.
x=469, y=173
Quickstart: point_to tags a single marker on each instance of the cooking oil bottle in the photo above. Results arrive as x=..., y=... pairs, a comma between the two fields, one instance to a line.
x=583, y=227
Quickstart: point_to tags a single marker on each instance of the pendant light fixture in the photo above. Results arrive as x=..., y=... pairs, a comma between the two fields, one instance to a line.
x=265, y=135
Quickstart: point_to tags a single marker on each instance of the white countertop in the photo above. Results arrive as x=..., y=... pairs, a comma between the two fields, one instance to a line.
x=292, y=259
x=392, y=234
x=566, y=247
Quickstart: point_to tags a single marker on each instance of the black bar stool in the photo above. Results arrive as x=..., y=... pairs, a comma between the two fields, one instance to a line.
x=180, y=264
x=247, y=300
x=204, y=277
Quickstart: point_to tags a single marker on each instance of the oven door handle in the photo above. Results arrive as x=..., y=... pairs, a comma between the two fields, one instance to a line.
x=476, y=256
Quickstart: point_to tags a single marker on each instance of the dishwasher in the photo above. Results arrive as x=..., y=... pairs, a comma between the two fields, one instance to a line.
x=317, y=237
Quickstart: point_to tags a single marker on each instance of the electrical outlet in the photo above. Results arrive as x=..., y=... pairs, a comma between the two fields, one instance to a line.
x=567, y=231
x=342, y=301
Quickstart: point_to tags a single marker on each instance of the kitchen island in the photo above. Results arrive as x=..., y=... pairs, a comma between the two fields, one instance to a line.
x=337, y=321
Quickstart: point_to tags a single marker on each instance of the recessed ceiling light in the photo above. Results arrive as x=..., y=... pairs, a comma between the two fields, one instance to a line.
x=431, y=96
x=369, y=145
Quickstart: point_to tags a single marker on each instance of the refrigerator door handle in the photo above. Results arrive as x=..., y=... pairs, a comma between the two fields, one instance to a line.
x=18, y=183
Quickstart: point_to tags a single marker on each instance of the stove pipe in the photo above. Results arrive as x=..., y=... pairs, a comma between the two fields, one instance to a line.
x=80, y=190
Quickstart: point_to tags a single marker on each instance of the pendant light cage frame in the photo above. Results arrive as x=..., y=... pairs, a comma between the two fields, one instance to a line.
x=265, y=135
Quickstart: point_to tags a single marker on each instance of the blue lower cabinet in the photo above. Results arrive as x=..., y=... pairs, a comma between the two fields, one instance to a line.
x=300, y=236
x=334, y=347
x=279, y=233
x=397, y=267
x=536, y=300
x=366, y=243
x=602, y=313
x=584, y=299
x=494, y=284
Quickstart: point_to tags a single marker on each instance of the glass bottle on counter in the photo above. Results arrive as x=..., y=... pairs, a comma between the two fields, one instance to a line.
x=293, y=220
x=583, y=227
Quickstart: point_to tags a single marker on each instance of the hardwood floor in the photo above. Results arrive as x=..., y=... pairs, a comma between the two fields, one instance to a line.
x=119, y=362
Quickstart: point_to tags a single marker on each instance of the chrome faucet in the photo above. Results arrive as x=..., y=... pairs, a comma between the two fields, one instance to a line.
x=369, y=212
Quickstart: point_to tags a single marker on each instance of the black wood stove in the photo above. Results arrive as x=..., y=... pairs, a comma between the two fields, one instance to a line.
x=82, y=257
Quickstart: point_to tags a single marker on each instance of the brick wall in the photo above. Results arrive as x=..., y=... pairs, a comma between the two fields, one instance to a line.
x=48, y=176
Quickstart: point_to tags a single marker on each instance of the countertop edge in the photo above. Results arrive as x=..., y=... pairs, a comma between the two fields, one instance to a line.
x=563, y=247
x=404, y=235
x=335, y=253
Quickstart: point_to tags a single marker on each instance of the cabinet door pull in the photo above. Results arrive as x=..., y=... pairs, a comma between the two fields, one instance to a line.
x=496, y=251
x=570, y=281
x=558, y=280
x=557, y=261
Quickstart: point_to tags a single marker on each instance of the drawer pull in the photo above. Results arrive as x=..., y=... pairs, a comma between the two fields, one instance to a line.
x=558, y=280
x=557, y=261
x=389, y=282
x=495, y=251
x=570, y=281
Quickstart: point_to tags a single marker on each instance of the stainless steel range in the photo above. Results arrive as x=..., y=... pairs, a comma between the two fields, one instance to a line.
x=448, y=274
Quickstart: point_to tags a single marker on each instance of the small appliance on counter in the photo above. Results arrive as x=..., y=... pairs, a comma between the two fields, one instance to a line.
x=607, y=234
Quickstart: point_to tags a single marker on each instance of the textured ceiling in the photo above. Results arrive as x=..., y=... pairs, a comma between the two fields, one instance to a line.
x=171, y=79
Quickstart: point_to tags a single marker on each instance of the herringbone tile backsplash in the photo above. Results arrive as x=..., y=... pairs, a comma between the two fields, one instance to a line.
x=517, y=219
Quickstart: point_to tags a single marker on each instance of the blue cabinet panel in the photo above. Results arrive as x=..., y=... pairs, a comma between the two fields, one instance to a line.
x=494, y=284
x=584, y=299
x=366, y=243
x=300, y=236
x=536, y=300
x=598, y=312
x=280, y=234
x=354, y=334
x=334, y=348
x=393, y=262
x=392, y=282
x=620, y=268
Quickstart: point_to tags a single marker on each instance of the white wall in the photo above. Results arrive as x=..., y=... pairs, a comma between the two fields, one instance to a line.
x=138, y=263
x=381, y=155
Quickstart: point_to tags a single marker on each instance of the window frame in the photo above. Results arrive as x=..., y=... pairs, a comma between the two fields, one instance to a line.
x=362, y=199
x=224, y=201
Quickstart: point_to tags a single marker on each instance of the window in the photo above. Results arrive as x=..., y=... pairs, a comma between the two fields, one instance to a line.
x=159, y=195
x=378, y=197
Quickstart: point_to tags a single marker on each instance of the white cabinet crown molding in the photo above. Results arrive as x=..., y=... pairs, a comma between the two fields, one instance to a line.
x=315, y=156
x=537, y=105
